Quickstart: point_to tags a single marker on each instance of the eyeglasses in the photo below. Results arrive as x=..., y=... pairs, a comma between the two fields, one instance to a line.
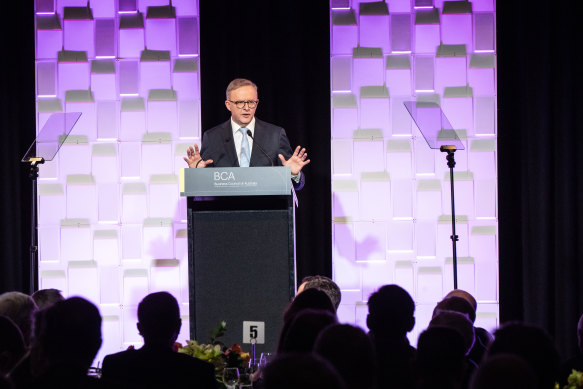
x=241, y=104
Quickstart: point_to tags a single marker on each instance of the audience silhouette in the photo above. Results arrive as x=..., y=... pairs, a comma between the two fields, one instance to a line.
x=504, y=371
x=441, y=361
x=303, y=330
x=483, y=337
x=66, y=339
x=20, y=308
x=46, y=297
x=305, y=371
x=532, y=344
x=156, y=365
x=390, y=317
x=314, y=350
x=12, y=348
x=351, y=352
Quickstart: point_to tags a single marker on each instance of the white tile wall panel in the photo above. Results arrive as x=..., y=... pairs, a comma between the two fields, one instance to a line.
x=53, y=279
x=107, y=120
x=162, y=113
x=481, y=74
x=51, y=204
x=185, y=78
x=131, y=242
x=344, y=242
x=341, y=73
x=369, y=154
x=344, y=115
x=103, y=80
x=163, y=276
x=374, y=25
x=130, y=158
x=106, y=250
x=76, y=240
x=189, y=119
x=375, y=201
x=81, y=196
x=401, y=31
x=161, y=34
x=399, y=159
x=104, y=8
x=157, y=154
x=485, y=115
x=163, y=196
x=342, y=157
x=83, y=280
x=155, y=68
x=49, y=244
x=402, y=197
x=185, y=8
x=371, y=241
x=426, y=31
x=49, y=36
x=157, y=239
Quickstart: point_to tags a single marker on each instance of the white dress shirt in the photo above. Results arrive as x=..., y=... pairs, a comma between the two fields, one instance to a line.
x=238, y=137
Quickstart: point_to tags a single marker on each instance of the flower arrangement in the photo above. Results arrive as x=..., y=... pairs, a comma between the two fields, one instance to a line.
x=575, y=380
x=216, y=352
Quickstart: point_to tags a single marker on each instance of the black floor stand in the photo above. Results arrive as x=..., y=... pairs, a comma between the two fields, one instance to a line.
x=450, y=150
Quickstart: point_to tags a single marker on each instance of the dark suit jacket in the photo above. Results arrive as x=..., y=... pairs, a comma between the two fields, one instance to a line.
x=158, y=367
x=218, y=145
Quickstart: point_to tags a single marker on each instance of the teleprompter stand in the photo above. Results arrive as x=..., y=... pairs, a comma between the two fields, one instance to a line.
x=439, y=134
x=44, y=148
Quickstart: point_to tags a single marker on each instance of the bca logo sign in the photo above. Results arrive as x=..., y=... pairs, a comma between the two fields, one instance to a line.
x=224, y=176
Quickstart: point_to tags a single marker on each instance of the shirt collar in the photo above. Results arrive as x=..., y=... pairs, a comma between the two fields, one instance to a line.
x=251, y=126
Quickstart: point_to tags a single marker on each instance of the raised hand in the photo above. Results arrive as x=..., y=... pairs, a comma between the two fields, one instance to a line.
x=194, y=159
x=297, y=161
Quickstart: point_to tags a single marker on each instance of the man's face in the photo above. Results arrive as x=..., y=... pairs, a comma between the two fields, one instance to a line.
x=242, y=116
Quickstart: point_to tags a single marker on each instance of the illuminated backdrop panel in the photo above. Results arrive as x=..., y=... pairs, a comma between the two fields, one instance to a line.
x=391, y=193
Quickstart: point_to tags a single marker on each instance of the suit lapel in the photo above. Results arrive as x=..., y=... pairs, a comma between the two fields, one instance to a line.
x=229, y=142
x=259, y=137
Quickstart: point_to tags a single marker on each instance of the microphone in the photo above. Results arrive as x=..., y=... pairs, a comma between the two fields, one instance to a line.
x=260, y=148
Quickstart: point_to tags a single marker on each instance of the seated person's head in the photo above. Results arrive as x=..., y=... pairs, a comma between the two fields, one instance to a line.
x=305, y=371
x=390, y=312
x=337, y=341
x=533, y=345
x=457, y=321
x=303, y=330
x=504, y=371
x=465, y=295
x=46, y=297
x=440, y=356
x=308, y=299
x=457, y=304
x=20, y=308
x=67, y=333
x=12, y=346
x=324, y=284
x=159, y=318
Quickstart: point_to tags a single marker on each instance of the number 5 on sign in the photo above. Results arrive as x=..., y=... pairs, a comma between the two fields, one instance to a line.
x=254, y=332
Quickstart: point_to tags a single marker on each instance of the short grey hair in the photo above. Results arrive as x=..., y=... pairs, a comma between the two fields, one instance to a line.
x=239, y=83
x=20, y=308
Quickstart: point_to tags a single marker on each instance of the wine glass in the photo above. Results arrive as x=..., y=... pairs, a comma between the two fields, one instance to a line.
x=265, y=359
x=230, y=377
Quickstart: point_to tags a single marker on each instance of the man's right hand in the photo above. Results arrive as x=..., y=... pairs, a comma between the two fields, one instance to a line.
x=194, y=159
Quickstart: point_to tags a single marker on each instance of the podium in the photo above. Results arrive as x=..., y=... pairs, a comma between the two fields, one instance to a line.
x=241, y=252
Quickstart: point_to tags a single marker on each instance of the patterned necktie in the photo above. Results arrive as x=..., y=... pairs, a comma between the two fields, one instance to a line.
x=244, y=157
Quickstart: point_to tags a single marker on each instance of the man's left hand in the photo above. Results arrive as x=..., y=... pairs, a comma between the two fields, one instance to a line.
x=297, y=161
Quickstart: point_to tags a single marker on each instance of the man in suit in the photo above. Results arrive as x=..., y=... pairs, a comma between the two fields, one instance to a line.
x=156, y=365
x=232, y=143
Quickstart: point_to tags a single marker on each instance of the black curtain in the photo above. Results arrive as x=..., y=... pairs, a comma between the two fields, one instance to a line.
x=285, y=49
x=17, y=129
x=540, y=113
